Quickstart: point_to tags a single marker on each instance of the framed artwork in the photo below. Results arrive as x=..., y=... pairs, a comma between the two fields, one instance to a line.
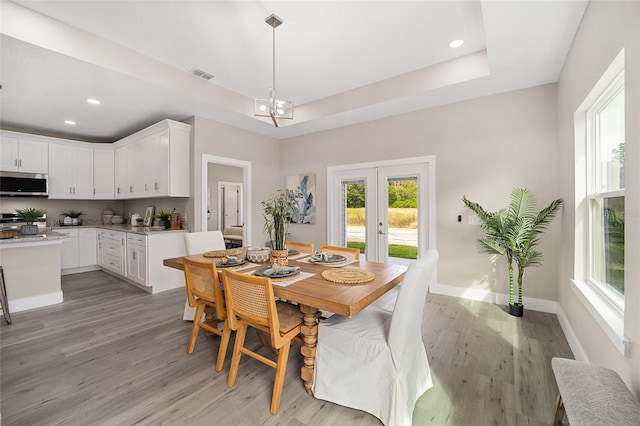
x=148, y=216
x=306, y=184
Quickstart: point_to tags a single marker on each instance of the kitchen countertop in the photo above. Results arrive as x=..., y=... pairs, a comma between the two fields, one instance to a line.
x=46, y=235
x=143, y=230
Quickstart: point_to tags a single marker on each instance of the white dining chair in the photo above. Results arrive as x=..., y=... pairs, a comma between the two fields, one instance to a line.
x=376, y=361
x=196, y=243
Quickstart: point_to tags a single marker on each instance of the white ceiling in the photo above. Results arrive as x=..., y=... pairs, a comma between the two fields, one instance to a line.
x=341, y=62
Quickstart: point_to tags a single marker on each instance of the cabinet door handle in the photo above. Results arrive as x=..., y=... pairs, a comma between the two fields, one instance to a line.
x=131, y=188
x=156, y=186
x=20, y=162
x=118, y=190
x=94, y=191
x=133, y=255
x=15, y=162
x=146, y=187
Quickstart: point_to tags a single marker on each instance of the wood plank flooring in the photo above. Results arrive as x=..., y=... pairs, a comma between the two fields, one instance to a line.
x=112, y=354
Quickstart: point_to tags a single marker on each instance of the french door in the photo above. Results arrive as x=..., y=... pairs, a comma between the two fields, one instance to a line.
x=383, y=209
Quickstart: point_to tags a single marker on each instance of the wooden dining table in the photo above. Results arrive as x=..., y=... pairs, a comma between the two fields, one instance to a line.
x=315, y=294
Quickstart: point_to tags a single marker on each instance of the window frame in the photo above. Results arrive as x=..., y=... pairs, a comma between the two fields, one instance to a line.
x=606, y=312
x=613, y=89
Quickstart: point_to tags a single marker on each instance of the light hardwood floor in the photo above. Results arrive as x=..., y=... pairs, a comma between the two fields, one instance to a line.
x=112, y=354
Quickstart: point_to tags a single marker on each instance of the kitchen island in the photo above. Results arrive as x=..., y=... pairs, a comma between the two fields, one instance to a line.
x=31, y=265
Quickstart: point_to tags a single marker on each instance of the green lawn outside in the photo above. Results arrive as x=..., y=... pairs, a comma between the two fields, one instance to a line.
x=395, y=250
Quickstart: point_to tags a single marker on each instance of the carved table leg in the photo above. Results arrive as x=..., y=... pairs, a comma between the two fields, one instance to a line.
x=308, y=348
x=210, y=319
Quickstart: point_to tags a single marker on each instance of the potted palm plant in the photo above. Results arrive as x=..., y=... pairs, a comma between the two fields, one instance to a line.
x=280, y=209
x=163, y=218
x=29, y=215
x=513, y=232
x=74, y=217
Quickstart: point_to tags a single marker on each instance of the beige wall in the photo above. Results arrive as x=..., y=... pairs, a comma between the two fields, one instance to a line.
x=606, y=28
x=484, y=148
x=217, y=139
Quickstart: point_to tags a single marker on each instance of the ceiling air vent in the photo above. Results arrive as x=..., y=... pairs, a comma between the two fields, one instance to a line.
x=200, y=73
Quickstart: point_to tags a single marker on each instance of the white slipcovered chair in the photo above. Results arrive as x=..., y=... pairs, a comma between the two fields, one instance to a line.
x=376, y=361
x=196, y=243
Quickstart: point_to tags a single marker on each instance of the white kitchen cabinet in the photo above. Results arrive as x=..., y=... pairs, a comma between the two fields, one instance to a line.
x=123, y=162
x=70, y=171
x=112, y=254
x=137, y=258
x=20, y=153
x=154, y=162
x=69, y=251
x=103, y=173
x=87, y=247
x=78, y=250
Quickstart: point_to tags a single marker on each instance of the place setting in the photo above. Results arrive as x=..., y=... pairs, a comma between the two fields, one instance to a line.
x=281, y=274
x=331, y=260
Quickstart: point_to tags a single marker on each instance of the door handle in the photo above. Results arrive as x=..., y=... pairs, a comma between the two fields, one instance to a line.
x=381, y=232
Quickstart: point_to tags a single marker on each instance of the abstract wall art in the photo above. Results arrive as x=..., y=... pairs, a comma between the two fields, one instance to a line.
x=306, y=184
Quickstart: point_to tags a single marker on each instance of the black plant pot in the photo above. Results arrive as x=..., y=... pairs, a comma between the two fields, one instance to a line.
x=516, y=310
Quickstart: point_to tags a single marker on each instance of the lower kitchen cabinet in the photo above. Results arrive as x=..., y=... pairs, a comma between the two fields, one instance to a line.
x=112, y=251
x=79, y=250
x=137, y=258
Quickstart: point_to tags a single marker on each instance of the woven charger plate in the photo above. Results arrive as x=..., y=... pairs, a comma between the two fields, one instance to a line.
x=223, y=253
x=348, y=276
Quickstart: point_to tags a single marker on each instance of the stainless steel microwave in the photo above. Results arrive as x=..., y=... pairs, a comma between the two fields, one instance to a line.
x=24, y=184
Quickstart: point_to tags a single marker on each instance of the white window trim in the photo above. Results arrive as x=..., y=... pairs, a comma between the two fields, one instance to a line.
x=606, y=310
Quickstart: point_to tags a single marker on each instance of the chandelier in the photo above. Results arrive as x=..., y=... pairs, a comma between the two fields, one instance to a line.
x=273, y=107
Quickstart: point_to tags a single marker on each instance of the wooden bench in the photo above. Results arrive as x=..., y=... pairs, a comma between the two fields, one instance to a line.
x=593, y=395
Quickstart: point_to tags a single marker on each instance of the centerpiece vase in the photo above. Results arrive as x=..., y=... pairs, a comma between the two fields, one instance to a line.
x=280, y=257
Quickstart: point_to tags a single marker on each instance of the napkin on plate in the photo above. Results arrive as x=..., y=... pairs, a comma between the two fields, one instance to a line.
x=230, y=260
x=280, y=269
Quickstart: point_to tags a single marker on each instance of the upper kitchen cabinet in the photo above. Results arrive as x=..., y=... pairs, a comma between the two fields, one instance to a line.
x=154, y=162
x=22, y=153
x=103, y=172
x=71, y=171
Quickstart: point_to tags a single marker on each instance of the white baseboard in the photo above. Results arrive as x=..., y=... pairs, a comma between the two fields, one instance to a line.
x=26, y=303
x=79, y=270
x=531, y=303
x=572, y=339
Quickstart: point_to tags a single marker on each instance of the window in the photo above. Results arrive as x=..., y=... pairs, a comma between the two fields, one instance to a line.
x=605, y=191
x=599, y=126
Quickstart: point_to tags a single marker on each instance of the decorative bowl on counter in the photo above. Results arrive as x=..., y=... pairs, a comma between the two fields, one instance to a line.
x=258, y=254
x=116, y=220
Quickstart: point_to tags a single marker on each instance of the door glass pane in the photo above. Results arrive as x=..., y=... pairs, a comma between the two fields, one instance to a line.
x=355, y=219
x=402, y=232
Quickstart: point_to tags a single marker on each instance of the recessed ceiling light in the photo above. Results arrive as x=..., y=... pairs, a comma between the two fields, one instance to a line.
x=93, y=101
x=70, y=122
x=456, y=43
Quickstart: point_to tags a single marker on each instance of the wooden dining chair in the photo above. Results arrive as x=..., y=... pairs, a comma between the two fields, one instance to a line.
x=196, y=243
x=300, y=246
x=349, y=253
x=376, y=361
x=251, y=303
x=203, y=289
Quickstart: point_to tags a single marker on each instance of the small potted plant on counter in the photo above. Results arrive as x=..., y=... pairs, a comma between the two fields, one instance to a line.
x=29, y=215
x=71, y=217
x=163, y=219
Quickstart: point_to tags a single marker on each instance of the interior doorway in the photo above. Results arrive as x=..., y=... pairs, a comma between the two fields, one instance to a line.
x=229, y=204
x=214, y=170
